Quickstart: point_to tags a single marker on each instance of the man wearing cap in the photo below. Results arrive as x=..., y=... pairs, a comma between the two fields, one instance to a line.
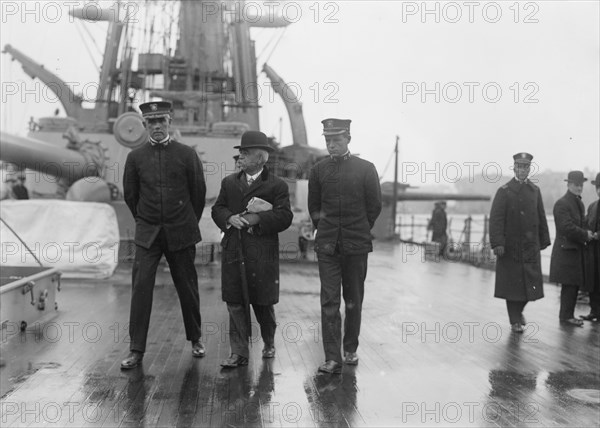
x=252, y=275
x=568, y=253
x=344, y=200
x=592, y=273
x=164, y=188
x=438, y=225
x=518, y=233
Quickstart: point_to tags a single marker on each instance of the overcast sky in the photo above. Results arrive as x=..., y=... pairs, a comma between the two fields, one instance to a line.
x=493, y=86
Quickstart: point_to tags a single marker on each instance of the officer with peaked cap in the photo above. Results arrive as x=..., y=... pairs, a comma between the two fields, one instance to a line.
x=569, y=250
x=164, y=188
x=592, y=271
x=344, y=200
x=518, y=233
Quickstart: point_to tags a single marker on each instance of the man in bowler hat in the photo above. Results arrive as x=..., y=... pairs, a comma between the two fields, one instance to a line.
x=164, y=189
x=344, y=200
x=250, y=259
x=567, y=265
x=592, y=271
x=518, y=233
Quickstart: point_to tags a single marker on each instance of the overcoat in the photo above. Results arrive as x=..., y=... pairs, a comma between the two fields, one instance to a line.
x=568, y=254
x=518, y=223
x=344, y=200
x=261, y=246
x=592, y=271
x=164, y=188
x=438, y=225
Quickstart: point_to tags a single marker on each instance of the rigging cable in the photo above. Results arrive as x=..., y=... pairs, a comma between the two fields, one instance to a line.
x=271, y=39
x=87, y=48
x=92, y=38
x=387, y=166
x=275, y=47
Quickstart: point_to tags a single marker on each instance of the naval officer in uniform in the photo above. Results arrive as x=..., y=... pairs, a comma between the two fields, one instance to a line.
x=164, y=189
x=518, y=233
x=344, y=200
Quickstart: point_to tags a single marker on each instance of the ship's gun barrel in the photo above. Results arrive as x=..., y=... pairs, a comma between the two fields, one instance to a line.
x=43, y=157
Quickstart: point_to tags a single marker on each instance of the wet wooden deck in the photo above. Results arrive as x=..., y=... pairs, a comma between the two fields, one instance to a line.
x=435, y=350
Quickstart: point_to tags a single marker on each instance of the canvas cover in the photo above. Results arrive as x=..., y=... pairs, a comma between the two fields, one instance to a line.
x=81, y=239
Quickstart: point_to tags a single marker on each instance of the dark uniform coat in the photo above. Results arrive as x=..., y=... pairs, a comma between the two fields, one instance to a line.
x=164, y=188
x=438, y=225
x=344, y=200
x=592, y=271
x=518, y=223
x=261, y=247
x=568, y=253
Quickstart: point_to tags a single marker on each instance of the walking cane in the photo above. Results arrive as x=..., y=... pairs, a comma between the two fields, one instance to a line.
x=245, y=298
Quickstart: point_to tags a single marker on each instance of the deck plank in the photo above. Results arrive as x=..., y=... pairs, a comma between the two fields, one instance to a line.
x=435, y=349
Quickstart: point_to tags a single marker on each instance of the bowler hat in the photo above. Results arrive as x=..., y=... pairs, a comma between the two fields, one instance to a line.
x=576, y=177
x=254, y=140
x=336, y=126
x=522, y=157
x=596, y=182
x=155, y=109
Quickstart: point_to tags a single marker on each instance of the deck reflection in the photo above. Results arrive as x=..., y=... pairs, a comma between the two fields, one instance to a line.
x=435, y=349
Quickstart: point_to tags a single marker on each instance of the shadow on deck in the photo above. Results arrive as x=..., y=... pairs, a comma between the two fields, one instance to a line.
x=435, y=349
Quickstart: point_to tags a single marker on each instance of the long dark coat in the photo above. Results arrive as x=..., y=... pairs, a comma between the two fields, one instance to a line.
x=592, y=271
x=568, y=254
x=344, y=200
x=438, y=225
x=518, y=223
x=261, y=247
x=164, y=188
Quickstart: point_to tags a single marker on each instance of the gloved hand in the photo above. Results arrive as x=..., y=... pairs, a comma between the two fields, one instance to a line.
x=499, y=251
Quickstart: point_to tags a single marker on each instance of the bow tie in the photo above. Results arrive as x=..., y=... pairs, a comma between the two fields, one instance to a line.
x=250, y=181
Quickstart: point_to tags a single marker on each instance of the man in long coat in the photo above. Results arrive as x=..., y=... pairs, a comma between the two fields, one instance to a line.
x=592, y=271
x=518, y=232
x=344, y=200
x=164, y=189
x=567, y=265
x=257, y=233
x=438, y=225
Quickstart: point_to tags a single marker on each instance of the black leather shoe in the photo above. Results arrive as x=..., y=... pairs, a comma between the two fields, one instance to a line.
x=516, y=328
x=523, y=321
x=268, y=352
x=351, y=358
x=234, y=361
x=590, y=317
x=134, y=359
x=198, y=349
x=572, y=321
x=331, y=366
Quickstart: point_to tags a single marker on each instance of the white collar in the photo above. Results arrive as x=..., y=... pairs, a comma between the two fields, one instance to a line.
x=164, y=141
x=253, y=177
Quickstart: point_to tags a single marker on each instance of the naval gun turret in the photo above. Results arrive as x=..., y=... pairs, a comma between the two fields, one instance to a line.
x=76, y=172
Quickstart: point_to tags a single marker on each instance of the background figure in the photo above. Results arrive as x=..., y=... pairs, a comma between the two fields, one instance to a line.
x=164, y=189
x=568, y=257
x=438, y=225
x=257, y=233
x=592, y=272
x=19, y=190
x=518, y=232
x=344, y=200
